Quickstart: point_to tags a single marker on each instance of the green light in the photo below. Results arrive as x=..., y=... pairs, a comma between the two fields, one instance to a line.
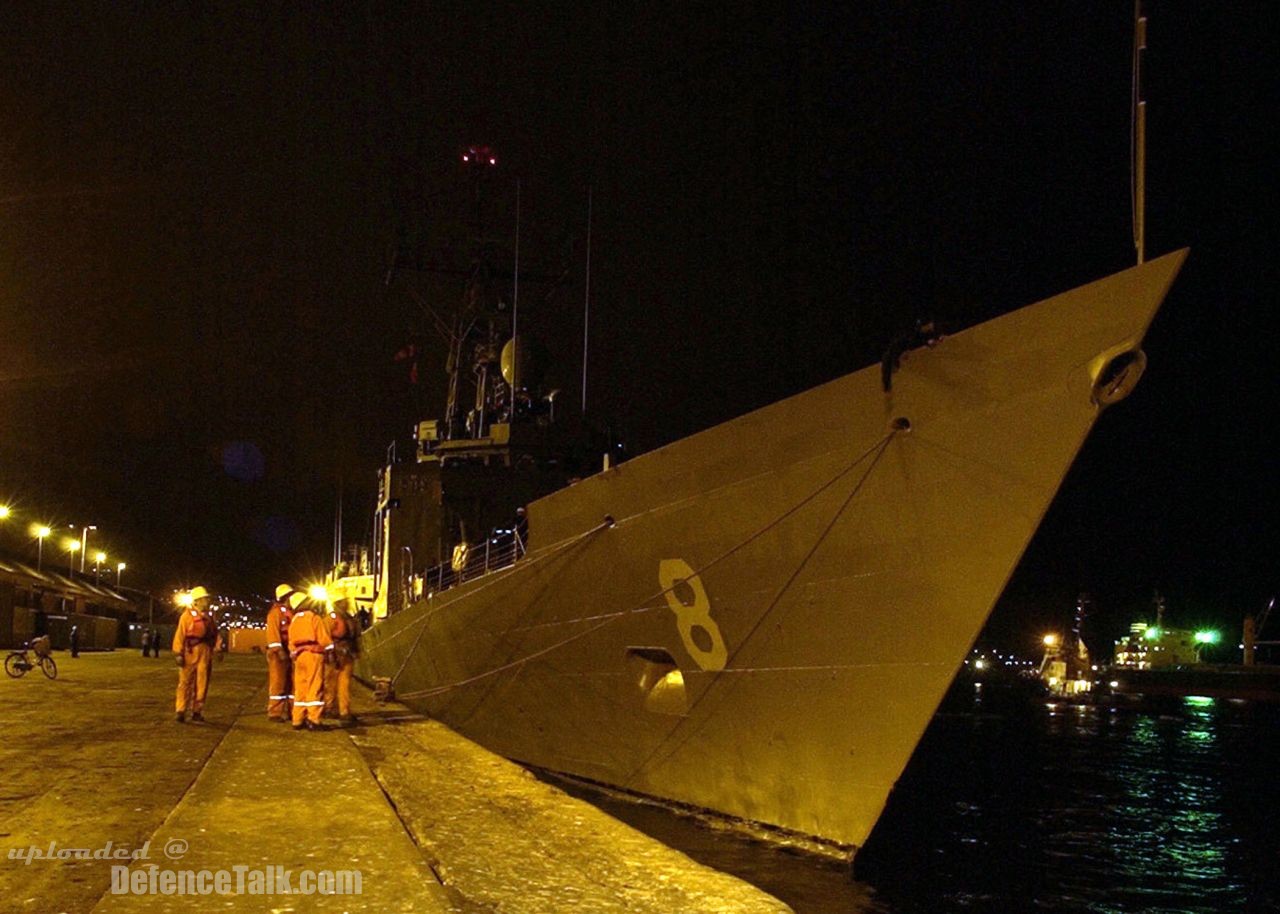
x=1153, y=634
x=1207, y=637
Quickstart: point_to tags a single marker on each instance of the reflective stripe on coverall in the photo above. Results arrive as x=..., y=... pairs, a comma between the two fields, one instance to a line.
x=309, y=641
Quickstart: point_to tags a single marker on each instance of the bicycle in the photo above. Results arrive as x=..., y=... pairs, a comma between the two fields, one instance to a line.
x=17, y=663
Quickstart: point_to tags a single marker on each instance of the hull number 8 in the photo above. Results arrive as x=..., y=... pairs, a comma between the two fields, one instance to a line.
x=688, y=599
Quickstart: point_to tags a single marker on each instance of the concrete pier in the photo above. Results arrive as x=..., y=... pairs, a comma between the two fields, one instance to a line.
x=428, y=820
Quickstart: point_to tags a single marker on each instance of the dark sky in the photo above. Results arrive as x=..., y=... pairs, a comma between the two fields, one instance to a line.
x=198, y=206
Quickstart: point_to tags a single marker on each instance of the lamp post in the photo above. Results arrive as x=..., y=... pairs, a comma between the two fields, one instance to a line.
x=120, y=566
x=84, y=544
x=40, y=531
x=98, y=559
x=72, y=547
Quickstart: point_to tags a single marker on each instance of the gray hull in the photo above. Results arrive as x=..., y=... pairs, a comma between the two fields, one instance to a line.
x=781, y=601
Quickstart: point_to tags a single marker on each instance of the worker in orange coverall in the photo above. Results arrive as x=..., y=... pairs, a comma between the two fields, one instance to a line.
x=309, y=641
x=343, y=629
x=193, y=642
x=279, y=666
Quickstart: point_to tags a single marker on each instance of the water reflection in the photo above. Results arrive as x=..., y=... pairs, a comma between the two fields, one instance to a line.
x=1012, y=804
x=1168, y=837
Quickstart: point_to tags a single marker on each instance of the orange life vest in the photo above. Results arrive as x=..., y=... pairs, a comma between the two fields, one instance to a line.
x=310, y=634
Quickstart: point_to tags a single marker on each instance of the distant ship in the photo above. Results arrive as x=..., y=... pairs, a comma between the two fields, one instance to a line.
x=758, y=620
x=1157, y=661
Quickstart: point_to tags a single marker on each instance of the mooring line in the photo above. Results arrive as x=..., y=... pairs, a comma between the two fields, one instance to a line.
x=643, y=606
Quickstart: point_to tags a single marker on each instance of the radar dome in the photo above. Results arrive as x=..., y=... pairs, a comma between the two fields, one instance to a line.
x=528, y=369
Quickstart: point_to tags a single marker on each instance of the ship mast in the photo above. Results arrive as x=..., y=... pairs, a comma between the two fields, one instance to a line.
x=586, y=308
x=476, y=330
x=1138, y=136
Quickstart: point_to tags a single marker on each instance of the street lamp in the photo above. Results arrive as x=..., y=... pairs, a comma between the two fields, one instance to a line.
x=5, y=511
x=40, y=531
x=84, y=543
x=98, y=559
x=120, y=566
x=72, y=547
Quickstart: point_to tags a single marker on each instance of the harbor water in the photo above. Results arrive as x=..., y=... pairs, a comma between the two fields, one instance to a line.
x=1013, y=802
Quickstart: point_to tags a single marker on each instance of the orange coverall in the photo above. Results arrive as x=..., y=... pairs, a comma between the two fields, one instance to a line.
x=279, y=667
x=337, y=676
x=196, y=649
x=309, y=641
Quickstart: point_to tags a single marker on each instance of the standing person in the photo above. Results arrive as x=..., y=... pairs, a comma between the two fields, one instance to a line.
x=344, y=632
x=279, y=667
x=75, y=641
x=155, y=642
x=309, y=642
x=521, y=531
x=146, y=642
x=193, y=642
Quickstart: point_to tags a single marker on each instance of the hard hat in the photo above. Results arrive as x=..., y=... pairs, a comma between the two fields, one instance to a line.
x=296, y=599
x=283, y=590
x=198, y=593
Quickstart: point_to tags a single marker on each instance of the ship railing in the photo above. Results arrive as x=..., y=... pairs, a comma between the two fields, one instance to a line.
x=501, y=549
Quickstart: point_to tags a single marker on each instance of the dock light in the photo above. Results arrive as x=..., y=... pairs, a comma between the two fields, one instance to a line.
x=979, y=664
x=184, y=599
x=99, y=557
x=40, y=532
x=5, y=511
x=1207, y=637
x=1153, y=633
x=1050, y=640
x=318, y=593
x=71, y=545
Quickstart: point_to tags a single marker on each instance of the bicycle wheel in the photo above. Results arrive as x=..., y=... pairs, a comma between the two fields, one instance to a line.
x=48, y=667
x=14, y=666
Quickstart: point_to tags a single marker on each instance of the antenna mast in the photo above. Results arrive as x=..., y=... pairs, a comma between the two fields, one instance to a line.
x=515, y=311
x=1138, y=136
x=337, y=526
x=586, y=307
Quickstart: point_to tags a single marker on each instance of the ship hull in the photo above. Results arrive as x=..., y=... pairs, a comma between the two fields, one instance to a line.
x=775, y=607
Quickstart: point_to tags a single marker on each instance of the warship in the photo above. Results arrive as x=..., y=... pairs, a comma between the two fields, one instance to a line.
x=757, y=621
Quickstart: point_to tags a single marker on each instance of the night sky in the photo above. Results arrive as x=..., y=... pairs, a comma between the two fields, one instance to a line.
x=199, y=207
